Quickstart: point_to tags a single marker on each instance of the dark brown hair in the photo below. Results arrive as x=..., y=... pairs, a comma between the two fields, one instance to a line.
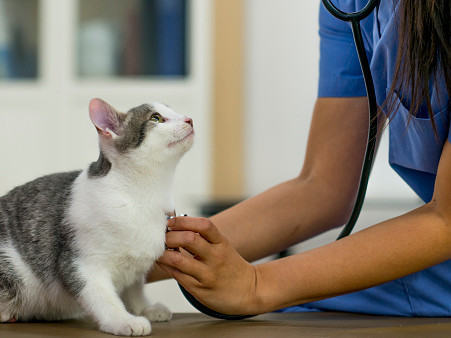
x=424, y=50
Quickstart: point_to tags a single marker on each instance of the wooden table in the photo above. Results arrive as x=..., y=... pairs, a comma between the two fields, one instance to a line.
x=187, y=325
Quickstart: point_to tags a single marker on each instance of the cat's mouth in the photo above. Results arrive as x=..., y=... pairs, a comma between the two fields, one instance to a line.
x=184, y=138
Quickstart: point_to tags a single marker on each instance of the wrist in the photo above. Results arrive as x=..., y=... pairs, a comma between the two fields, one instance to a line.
x=275, y=288
x=260, y=303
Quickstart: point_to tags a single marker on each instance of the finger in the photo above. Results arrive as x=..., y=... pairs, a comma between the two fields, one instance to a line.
x=192, y=242
x=184, y=264
x=201, y=225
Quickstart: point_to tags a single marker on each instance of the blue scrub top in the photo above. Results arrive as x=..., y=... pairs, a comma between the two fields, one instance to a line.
x=414, y=152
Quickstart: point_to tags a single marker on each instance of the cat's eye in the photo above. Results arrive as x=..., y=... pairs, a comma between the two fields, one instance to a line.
x=156, y=118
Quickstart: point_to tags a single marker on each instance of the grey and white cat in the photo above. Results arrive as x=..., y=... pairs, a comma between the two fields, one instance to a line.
x=82, y=242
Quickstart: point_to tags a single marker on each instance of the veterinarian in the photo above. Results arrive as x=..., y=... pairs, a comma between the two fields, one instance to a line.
x=399, y=267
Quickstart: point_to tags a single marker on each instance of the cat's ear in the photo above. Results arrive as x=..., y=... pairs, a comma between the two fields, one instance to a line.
x=106, y=119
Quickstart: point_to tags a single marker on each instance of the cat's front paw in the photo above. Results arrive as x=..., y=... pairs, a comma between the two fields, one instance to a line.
x=157, y=313
x=132, y=326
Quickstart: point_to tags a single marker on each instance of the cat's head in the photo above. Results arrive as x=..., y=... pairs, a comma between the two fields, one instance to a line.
x=147, y=133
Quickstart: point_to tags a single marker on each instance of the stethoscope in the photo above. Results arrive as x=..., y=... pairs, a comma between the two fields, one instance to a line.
x=354, y=19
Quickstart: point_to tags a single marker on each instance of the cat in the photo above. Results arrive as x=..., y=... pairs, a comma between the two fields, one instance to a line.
x=80, y=243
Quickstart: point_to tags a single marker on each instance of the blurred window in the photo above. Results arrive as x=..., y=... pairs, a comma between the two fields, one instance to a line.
x=18, y=39
x=132, y=38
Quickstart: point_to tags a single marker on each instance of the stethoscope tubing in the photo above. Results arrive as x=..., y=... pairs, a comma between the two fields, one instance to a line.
x=355, y=19
x=372, y=107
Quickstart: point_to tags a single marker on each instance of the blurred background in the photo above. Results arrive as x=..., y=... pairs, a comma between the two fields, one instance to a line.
x=244, y=70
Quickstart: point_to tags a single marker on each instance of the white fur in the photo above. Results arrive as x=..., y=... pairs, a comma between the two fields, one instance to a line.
x=119, y=222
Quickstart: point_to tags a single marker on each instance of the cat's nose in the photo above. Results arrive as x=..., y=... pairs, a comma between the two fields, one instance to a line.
x=189, y=121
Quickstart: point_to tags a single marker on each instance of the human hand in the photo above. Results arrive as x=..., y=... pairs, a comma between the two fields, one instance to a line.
x=214, y=273
x=156, y=274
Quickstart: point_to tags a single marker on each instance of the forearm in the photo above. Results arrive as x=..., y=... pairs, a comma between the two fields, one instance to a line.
x=319, y=199
x=280, y=217
x=379, y=254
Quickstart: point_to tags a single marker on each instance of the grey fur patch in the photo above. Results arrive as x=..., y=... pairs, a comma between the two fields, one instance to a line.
x=33, y=219
x=136, y=127
x=100, y=168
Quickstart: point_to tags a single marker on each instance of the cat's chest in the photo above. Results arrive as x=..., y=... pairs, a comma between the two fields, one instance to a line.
x=140, y=233
x=133, y=251
x=119, y=229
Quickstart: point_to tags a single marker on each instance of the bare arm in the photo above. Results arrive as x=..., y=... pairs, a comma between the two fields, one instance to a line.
x=384, y=252
x=320, y=198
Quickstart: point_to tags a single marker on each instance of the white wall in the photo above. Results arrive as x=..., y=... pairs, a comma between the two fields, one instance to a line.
x=282, y=54
x=280, y=87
